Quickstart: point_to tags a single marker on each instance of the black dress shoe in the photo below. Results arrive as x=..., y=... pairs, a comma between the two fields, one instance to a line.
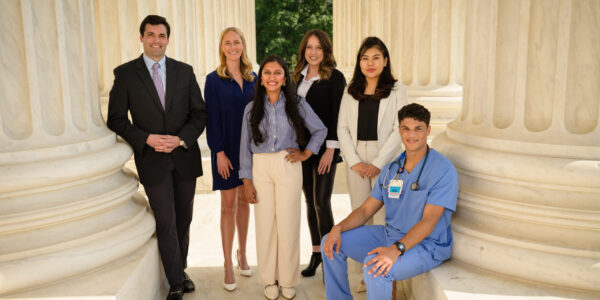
x=175, y=292
x=188, y=284
x=315, y=261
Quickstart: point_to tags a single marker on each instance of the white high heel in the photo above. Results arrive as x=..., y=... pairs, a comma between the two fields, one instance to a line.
x=230, y=287
x=242, y=272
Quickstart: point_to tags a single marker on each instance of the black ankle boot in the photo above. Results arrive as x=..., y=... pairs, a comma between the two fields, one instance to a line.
x=315, y=261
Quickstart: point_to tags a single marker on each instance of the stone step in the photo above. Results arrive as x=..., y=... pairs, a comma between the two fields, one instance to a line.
x=453, y=280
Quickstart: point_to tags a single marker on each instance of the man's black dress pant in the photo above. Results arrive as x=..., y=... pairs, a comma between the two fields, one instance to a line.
x=172, y=202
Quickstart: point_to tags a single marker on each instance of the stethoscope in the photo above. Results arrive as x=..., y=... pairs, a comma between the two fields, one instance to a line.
x=415, y=185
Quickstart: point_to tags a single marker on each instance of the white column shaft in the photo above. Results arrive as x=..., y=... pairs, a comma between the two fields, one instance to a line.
x=195, y=29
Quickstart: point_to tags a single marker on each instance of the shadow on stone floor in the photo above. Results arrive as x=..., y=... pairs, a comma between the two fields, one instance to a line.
x=209, y=285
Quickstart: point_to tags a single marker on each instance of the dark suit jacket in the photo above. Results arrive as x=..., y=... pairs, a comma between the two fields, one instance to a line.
x=185, y=116
x=324, y=97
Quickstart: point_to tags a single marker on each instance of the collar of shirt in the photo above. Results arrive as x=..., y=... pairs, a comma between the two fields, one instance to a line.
x=279, y=103
x=231, y=79
x=150, y=62
x=305, y=71
x=305, y=85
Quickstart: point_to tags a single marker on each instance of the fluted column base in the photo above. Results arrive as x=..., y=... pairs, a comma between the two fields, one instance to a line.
x=529, y=217
x=136, y=276
x=68, y=213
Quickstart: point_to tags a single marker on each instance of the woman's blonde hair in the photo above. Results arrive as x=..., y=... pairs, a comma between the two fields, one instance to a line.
x=245, y=64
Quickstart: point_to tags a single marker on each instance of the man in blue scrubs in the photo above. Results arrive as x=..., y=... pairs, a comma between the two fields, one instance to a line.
x=419, y=190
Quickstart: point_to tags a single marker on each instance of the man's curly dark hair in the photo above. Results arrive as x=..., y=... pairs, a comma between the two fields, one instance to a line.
x=415, y=111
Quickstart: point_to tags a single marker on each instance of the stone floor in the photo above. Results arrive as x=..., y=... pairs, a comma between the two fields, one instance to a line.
x=205, y=259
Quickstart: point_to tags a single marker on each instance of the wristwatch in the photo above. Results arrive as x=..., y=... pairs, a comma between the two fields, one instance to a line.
x=182, y=143
x=400, y=247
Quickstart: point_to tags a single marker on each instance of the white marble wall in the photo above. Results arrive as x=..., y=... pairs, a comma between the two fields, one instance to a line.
x=426, y=43
x=195, y=29
x=66, y=206
x=527, y=142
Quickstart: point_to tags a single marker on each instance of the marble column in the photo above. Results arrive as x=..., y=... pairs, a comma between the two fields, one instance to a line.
x=426, y=43
x=66, y=205
x=527, y=142
x=195, y=29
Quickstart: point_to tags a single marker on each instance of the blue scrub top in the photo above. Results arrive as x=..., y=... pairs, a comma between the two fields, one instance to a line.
x=438, y=185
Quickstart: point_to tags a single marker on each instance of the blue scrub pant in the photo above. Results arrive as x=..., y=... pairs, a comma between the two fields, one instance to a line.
x=356, y=243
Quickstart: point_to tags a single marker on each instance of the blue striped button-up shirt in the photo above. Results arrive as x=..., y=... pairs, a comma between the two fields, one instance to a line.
x=277, y=132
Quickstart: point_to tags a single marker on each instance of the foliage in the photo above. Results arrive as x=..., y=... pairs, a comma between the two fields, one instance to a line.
x=280, y=25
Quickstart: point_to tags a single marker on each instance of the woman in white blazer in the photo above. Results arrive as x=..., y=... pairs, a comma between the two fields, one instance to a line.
x=368, y=124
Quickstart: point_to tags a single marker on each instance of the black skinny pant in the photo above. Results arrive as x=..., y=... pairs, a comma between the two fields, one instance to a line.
x=172, y=202
x=317, y=191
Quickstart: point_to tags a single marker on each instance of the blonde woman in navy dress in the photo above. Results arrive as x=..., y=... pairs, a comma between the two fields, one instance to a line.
x=227, y=91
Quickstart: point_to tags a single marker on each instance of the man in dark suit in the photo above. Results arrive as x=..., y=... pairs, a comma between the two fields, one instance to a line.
x=168, y=116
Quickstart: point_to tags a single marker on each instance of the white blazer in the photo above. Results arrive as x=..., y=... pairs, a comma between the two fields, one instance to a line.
x=388, y=138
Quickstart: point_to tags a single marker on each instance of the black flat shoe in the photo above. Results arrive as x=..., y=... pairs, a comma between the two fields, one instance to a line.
x=175, y=292
x=188, y=284
x=315, y=261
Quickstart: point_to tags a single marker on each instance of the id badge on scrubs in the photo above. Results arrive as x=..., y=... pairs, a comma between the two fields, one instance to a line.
x=395, y=188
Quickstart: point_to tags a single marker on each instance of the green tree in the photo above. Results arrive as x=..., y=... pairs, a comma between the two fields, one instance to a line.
x=280, y=25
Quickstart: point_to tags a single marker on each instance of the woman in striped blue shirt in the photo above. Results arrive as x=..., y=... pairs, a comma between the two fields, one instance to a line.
x=272, y=133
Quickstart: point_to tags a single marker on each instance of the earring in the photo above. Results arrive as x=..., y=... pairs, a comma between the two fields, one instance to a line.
x=283, y=83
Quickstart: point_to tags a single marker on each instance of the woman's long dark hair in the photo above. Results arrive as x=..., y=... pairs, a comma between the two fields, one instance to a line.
x=386, y=80
x=257, y=112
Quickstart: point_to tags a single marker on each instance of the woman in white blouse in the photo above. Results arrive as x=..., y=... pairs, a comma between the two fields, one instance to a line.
x=367, y=122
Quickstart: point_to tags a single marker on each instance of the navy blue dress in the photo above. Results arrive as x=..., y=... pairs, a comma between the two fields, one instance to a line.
x=225, y=103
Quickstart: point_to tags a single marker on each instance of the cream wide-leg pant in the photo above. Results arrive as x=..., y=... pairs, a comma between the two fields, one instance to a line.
x=278, y=186
x=360, y=188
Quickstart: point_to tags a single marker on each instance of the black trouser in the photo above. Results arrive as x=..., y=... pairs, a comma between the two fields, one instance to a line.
x=317, y=191
x=172, y=202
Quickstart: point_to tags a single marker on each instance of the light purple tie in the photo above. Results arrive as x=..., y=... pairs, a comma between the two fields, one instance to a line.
x=158, y=84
